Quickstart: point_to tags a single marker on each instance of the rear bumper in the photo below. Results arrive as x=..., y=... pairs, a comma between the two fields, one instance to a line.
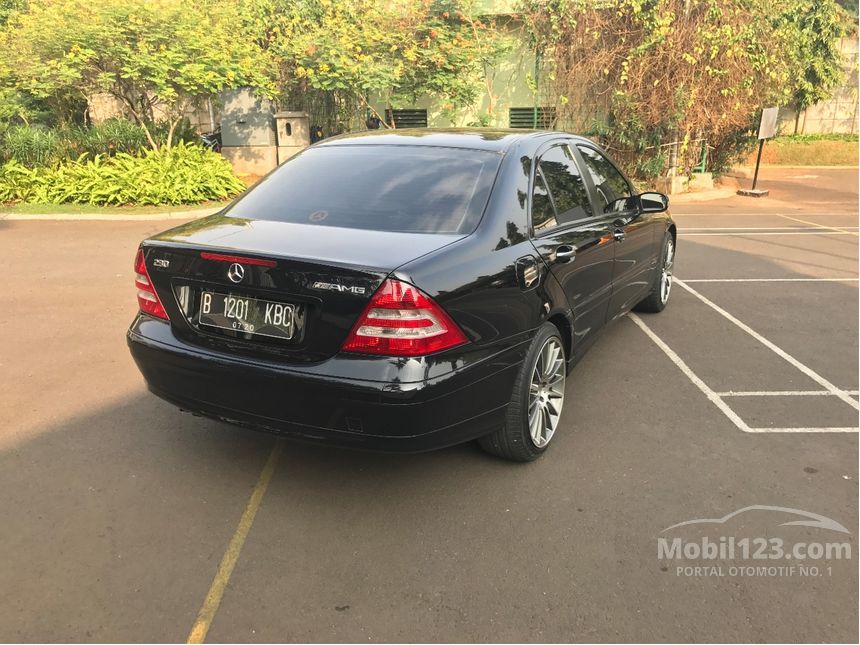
x=321, y=403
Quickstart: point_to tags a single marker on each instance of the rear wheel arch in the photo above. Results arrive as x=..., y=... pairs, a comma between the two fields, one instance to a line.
x=565, y=330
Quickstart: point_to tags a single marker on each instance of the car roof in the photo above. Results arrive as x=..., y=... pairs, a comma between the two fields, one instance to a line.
x=492, y=139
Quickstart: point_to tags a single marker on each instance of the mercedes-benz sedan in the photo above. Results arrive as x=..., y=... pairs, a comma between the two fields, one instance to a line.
x=403, y=290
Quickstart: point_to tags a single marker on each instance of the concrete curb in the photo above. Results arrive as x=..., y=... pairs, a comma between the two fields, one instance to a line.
x=726, y=187
x=702, y=196
x=110, y=217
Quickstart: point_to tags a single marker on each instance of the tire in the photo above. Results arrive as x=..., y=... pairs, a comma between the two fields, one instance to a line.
x=658, y=298
x=539, y=389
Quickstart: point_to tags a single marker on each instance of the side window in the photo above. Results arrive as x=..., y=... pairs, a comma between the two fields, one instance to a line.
x=543, y=214
x=565, y=184
x=612, y=188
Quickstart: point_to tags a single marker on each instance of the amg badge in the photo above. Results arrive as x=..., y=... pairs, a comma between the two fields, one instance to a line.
x=330, y=286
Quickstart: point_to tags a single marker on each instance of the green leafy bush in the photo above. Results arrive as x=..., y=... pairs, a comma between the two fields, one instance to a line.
x=30, y=146
x=106, y=138
x=184, y=174
x=184, y=132
x=39, y=146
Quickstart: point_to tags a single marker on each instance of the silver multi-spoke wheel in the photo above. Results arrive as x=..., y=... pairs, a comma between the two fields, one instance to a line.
x=666, y=276
x=546, y=392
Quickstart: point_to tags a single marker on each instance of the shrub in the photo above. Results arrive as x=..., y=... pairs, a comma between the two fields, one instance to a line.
x=185, y=174
x=184, y=132
x=37, y=146
x=30, y=146
x=106, y=138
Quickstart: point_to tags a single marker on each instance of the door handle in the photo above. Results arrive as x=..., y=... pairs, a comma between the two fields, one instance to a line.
x=565, y=253
x=619, y=234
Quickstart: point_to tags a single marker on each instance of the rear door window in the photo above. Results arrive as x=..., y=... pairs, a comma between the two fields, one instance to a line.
x=559, y=176
x=613, y=190
x=543, y=213
x=409, y=189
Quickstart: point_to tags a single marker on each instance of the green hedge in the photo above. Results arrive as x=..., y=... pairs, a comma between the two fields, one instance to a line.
x=35, y=146
x=184, y=174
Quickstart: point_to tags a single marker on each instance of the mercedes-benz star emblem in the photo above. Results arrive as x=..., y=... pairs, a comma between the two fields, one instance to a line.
x=236, y=272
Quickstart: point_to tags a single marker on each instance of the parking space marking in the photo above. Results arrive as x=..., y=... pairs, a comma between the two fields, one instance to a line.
x=820, y=231
x=234, y=548
x=757, y=228
x=799, y=430
x=712, y=396
x=717, y=397
x=688, y=280
x=762, y=214
x=787, y=393
x=824, y=226
x=815, y=376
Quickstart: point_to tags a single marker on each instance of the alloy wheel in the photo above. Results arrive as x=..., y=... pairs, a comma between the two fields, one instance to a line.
x=666, y=275
x=546, y=392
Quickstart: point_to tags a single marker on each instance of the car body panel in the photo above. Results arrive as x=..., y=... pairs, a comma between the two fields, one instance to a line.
x=339, y=246
x=499, y=283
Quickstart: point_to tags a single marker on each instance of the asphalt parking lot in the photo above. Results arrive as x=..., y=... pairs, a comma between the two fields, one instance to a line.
x=122, y=517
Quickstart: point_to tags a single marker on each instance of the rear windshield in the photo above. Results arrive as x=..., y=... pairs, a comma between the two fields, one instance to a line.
x=409, y=189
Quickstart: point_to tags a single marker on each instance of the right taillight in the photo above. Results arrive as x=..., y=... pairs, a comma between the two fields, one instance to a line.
x=401, y=320
x=147, y=299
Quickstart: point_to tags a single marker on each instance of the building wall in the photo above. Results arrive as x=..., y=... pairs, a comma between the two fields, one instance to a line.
x=512, y=79
x=103, y=106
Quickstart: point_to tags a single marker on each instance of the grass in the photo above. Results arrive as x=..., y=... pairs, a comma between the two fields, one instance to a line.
x=806, y=138
x=52, y=209
x=809, y=150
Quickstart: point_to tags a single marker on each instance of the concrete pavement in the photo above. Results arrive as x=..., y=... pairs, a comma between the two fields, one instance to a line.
x=118, y=509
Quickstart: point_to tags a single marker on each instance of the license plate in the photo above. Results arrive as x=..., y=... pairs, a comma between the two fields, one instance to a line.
x=247, y=315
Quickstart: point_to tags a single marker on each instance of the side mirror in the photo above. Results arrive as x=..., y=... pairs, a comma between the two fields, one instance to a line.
x=653, y=203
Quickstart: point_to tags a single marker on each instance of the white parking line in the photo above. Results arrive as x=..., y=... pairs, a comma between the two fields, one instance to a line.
x=815, y=376
x=688, y=280
x=820, y=231
x=823, y=226
x=715, y=397
x=786, y=393
x=740, y=229
x=787, y=430
x=764, y=214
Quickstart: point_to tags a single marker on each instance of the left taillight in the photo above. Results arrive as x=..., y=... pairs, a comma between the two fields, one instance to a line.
x=402, y=320
x=147, y=299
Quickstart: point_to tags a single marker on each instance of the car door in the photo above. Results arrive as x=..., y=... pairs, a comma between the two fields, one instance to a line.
x=575, y=244
x=632, y=232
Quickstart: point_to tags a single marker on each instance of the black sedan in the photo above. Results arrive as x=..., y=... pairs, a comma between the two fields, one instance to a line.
x=404, y=290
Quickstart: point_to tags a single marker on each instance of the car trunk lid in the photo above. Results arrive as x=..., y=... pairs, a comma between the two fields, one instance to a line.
x=325, y=276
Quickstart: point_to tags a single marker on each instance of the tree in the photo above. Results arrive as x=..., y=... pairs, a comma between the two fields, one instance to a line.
x=9, y=6
x=813, y=29
x=395, y=49
x=640, y=74
x=159, y=57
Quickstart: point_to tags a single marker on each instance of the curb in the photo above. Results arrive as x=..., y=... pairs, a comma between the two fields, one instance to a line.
x=110, y=217
x=701, y=196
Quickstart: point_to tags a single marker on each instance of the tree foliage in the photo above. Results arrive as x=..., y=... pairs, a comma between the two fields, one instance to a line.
x=812, y=30
x=642, y=73
x=159, y=57
x=394, y=50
